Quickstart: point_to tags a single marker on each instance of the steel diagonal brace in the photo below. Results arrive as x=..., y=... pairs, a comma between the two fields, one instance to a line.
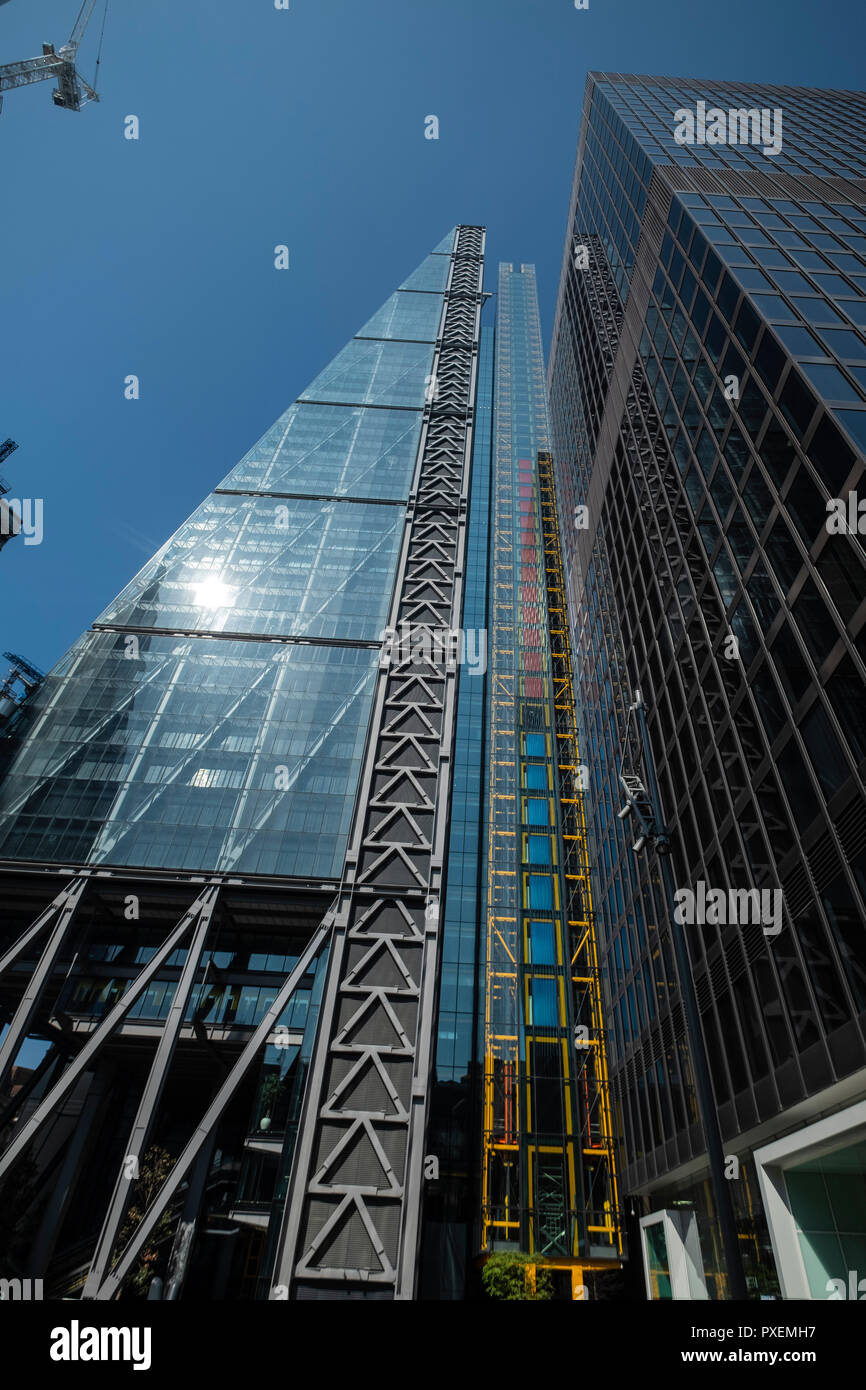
x=137, y=986
x=149, y=1101
x=214, y=1113
x=65, y=904
x=20, y=946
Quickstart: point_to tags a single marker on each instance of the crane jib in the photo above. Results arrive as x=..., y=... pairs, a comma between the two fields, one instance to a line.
x=72, y=91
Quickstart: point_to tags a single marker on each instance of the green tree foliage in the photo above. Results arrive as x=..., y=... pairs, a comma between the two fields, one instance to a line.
x=515, y=1275
x=155, y=1167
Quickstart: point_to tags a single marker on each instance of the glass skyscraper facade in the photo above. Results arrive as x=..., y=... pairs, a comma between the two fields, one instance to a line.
x=224, y=828
x=242, y=657
x=707, y=382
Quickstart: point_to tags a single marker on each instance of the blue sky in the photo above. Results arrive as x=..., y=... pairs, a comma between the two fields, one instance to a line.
x=260, y=127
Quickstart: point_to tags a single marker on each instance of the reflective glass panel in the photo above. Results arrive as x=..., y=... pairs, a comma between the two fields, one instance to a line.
x=333, y=450
x=260, y=565
x=431, y=274
x=405, y=315
x=191, y=754
x=375, y=373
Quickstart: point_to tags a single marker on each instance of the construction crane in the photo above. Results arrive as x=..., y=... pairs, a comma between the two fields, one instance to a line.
x=8, y=446
x=72, y=91
x=26, y=674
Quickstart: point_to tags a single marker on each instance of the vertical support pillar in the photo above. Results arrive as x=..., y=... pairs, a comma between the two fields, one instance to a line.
x=351, y=1219
x=64, y=905
x=181, y=1250
x=25, y=1133
x=153, y=1090
x=74, y=1159
x=215, y=1110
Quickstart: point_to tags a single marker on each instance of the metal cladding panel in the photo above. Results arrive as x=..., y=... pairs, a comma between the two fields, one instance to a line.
x=353, y=1209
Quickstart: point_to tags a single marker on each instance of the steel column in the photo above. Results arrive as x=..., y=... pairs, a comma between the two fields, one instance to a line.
x=178, y=1260
x=214, y=1112
x=20, y=946
x=352, y=1213
x=65, y=1083
x=76, y=1155
x=150, y=1099
x=65, y=903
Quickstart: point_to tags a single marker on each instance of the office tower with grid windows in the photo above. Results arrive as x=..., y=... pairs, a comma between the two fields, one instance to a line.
x=222, y=854
x=707, y=382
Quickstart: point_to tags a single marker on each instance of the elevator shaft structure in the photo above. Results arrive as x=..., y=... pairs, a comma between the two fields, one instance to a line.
x=548, y=1183
x=549, y=1172
x=598, y=1157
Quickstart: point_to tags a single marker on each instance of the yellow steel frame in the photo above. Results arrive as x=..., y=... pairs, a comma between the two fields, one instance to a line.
x=585, y=972
x=508, y=1082
x=501, y=1125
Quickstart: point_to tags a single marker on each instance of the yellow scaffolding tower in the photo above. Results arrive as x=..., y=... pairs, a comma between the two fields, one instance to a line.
x=516, y=1162
x=597, y=1138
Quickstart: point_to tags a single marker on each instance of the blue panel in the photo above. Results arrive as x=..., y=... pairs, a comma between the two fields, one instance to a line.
x=539, y=849
x=542, y=944
x=544, y=1010
x=540, y=891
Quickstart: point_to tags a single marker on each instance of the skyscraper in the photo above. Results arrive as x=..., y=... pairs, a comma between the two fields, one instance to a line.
x=548, y=1180
x=224, y=830
x=521, y=1123
x=707, y=383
